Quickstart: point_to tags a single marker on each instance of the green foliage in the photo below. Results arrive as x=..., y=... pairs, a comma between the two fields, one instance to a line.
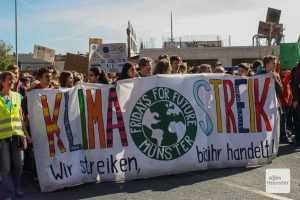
x=6, y=58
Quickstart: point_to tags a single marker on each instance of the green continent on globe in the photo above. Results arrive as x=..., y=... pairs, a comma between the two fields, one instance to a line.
x=163, y=124
x=166, y=116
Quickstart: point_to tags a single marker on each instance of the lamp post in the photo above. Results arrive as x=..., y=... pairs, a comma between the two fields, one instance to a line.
x=16, y=31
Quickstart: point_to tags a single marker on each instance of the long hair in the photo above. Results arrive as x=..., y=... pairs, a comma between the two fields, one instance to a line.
x=64, y=77
x=101, y=74
x=125, y=69
x=161, y=67
x=3, y=76
x=203, y=68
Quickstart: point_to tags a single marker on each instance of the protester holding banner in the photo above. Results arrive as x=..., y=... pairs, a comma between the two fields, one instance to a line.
x=296, y=101
x=204, y=68
x=44, y=78
x=183, y=68
x=15, y=70
x=269, y=66
x=163, y=56
x=145, y=65
x=243, y=69
x=163, y=67
x=255, y=65
x=12, y=137
x=66, y=79
x=128, y=71
x=77, y=77
x=175, y=63
x=55, y=78
x=269, y=63
x=97, y=76
x=219, y=70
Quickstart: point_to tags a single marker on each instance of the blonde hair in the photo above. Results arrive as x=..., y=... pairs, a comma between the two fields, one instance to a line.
x=202, y=68
x=219, y=69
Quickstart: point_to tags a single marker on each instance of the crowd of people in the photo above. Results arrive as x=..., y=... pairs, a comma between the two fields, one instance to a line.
x=14, y=126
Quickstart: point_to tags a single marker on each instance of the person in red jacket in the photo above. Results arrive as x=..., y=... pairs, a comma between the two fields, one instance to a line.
x=286, y=101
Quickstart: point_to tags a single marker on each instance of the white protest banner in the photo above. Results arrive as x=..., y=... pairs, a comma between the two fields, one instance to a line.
x=146, y=127
x=109, y=57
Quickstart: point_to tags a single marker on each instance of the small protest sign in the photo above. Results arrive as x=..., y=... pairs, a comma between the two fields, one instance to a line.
x=109, y=57
x=289, y=55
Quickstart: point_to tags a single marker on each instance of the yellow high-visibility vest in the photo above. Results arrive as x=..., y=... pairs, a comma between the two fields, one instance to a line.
x=10, y=121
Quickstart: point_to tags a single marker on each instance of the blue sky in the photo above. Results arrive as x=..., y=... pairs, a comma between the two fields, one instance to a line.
x=66, y=25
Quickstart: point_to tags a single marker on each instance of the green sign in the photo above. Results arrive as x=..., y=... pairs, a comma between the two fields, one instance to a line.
x=289, y=55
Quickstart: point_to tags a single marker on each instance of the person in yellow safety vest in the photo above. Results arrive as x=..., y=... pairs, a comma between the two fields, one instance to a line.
x=13, y=136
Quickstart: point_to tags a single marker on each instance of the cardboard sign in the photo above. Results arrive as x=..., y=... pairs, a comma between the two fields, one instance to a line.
x=273, y=16
x=44, y=53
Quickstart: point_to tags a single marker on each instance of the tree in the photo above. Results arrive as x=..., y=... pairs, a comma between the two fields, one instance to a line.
x=6, y=58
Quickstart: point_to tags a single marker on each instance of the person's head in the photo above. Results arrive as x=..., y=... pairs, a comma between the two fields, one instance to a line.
x=15, y=70
x=195, y=69
x=163, y=56
x=25, y=80
x=204, y=68
x=145, y=65
x=256, y=64
x=128, y=71
x=269, y=63
x=50, y=70
x=175, y=63
x=218, y=64
x=163, y=67
x=111, y=77
x=78, y=78
x=7, y=80
x=31, y=78
x=183, y=68
x=44, y=77
x=55, y=74
x=230, y=71
x=22, y=75
x=219, y=70
x=243, y=69
x=94, y=75
x=34, y=83
x=66, y=79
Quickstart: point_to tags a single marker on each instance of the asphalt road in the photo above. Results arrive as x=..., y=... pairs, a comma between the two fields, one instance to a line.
x=232, y=183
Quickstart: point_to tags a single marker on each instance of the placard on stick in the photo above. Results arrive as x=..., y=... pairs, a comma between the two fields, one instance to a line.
x=289, y=55
x=109, y=57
